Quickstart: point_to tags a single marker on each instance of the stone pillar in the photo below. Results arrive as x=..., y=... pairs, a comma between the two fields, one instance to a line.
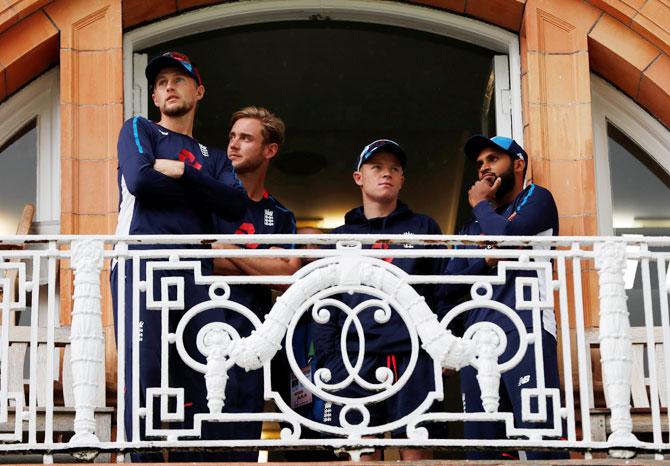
x=557, y=116
x=91, y=95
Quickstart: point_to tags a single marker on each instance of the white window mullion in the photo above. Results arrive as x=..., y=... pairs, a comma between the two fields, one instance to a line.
x=503, y=96
x=140, y=85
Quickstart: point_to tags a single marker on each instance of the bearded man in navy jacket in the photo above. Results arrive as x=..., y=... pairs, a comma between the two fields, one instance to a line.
x=169, y=184
x=501, y=205
x=379, y=172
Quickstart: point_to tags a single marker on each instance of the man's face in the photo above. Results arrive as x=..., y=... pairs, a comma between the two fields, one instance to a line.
x=381, y=177
x=175, y=92
x=247, y=149
x=493, y=163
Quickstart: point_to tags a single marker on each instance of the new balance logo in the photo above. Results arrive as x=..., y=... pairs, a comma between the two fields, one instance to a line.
x=269, y=218
x=524, y=380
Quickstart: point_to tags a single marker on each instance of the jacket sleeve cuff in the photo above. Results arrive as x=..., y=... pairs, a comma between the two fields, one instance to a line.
x=483, y=210
x=190, y=174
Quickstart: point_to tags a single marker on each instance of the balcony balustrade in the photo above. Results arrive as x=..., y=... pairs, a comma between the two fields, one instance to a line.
x=34, y=394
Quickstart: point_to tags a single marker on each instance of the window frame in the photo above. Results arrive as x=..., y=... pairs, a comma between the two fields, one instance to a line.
x=40, y=101
x=385, y=13
x=609, y=105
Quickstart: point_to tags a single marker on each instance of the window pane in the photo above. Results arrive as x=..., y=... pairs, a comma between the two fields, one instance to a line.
x=640, y=188
x=18, y=177
x=640, y=200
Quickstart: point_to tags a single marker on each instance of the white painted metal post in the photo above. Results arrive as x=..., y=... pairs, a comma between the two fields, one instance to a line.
x=87, y=340
x=215, y=347
x=488, y=372
x=615, y=341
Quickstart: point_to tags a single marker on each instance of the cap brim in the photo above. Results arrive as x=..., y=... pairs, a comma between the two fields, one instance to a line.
x=160, y=63
x=477, y=143
x=393, y=149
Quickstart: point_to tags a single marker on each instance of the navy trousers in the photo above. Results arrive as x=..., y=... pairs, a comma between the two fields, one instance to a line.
x=511, y=383
x=179, y=374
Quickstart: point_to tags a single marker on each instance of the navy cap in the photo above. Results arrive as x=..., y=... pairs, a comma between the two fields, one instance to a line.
x=479, y=142
x=171, y=60
x=381, y=145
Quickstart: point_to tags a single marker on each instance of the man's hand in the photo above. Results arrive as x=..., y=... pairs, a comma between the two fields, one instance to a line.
x=172, y=168
x=483, y=190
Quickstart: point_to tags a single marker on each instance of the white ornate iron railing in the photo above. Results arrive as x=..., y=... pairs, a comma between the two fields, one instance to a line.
x=30, y=407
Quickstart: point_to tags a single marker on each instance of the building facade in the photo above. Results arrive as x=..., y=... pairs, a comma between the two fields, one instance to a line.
x=580, y=74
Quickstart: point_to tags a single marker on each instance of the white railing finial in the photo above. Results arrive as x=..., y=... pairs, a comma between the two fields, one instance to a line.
x=615, y=342
x=87, y=338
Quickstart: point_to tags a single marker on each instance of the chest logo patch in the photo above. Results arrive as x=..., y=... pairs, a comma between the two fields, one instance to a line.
x=247, y=228
x=269, y=218
x=204, y=150
x=383, y=246
x=186, y=157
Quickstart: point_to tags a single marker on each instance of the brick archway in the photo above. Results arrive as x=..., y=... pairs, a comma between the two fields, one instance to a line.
x=560, y=45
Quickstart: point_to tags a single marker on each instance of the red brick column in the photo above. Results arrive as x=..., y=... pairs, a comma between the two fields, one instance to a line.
x=91, y=116
x=557, y=115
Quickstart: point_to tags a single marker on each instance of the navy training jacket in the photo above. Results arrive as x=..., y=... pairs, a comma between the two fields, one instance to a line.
x=267, y=216
x=392, y=336
x=533, y=212
x=153, y=203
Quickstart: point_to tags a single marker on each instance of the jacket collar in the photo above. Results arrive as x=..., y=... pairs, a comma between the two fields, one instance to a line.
x=357, y=217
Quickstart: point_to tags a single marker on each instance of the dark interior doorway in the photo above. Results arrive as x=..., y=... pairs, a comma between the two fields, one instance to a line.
x=338, y=86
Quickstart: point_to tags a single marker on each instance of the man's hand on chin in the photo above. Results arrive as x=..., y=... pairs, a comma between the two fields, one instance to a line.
x=484, y=190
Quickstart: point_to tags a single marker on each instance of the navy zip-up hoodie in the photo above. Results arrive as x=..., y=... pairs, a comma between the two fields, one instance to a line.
x=533, y=212
x=392, y=336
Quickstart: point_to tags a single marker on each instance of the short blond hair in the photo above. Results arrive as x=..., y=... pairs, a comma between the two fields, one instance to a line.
x=272, y=127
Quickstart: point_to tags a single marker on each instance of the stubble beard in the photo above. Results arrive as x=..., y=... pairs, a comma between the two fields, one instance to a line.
x=176, y=111
x=248, y=166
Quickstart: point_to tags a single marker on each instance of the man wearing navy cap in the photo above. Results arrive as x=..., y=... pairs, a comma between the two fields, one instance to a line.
x=379, y=172
x=501, y=205
x=169, y=184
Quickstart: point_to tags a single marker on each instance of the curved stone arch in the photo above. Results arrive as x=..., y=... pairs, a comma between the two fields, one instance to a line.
x=400, y=14
x=30, y=37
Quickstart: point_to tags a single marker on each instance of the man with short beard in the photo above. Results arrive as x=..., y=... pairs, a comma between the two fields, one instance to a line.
x=254, y=140
x=501, y=205
x=169, y=184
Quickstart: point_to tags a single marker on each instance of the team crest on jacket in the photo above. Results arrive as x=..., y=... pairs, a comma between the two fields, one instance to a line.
x=204, y=150
x=269, y=218
x=408, y=245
